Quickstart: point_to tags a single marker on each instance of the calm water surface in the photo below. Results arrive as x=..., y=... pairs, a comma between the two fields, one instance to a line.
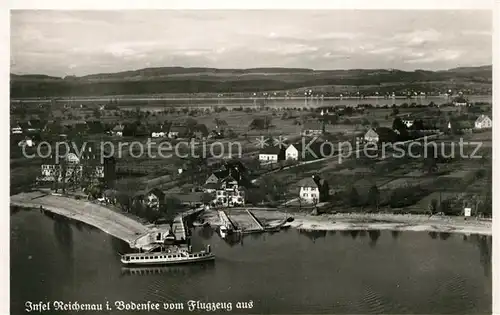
x=286, y=272
x=159, y=105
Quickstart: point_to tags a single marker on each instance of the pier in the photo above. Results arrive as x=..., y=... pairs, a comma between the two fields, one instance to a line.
x=254, y=218
x=226, y=221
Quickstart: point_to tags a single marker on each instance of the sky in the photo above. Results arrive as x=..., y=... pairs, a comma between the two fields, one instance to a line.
x=78, y=43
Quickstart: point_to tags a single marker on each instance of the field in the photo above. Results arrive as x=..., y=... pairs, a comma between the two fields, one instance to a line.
x=388, y=174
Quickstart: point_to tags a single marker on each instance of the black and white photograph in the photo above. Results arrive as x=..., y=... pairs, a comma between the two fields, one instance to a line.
x=250, y=161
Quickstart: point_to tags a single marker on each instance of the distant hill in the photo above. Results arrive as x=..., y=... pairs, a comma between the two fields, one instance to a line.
x=212, y=80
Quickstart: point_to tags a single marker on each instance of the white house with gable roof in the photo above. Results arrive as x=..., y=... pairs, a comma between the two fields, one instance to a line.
x=483, y=122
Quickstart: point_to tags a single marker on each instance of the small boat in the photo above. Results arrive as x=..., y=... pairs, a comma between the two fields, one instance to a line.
x=168, y=257
x=224, y=231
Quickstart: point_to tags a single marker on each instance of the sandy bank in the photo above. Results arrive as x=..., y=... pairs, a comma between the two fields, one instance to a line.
x=105, y=219
x=372, y=222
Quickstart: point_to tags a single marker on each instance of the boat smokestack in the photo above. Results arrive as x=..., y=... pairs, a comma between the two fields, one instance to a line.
x=208, y=248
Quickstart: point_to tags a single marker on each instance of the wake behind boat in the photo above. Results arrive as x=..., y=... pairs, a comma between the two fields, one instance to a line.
x=174, y=255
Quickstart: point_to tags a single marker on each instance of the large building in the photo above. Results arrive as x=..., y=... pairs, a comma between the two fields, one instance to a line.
x=76, y=164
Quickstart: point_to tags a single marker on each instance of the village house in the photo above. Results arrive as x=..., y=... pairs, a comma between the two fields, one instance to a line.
x=154, y=199
x=272, y=154
x=381, y=134
x=16, y=129
x=460, y=101
x=292, y=153
x=483, y=122
x=118, y=130
x=310, y=150
x=408, y=122
x=313, y=128
x=313, y=189
x=159, y=131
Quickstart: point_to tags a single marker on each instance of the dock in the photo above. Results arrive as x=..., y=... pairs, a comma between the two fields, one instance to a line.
x=254, y=218
x=244, y=220
x=226, y=221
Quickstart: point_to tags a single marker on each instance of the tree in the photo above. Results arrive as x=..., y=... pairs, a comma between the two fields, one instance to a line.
x=273, y=188
x=418, y=124
x=206, y=198
x=374, y=197
x=219, y=122
x=445, y=207
x=430, y=165
x=191, y=123
x=375, y=124
x=127, y=189
x=97, y=113
x=398, y=125
x=353, y=197
x=260, y=123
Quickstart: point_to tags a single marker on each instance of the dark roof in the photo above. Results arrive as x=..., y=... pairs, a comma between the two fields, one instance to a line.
x=386, y=133
x=188, y=198
x=119, y=127
x=307, y=182
x=272, y=150
x=221, y=174
x=460, y=99
x=313, y=181
x=212, y=186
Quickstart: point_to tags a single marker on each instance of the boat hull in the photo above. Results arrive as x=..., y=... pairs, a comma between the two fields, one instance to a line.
x=159, y=262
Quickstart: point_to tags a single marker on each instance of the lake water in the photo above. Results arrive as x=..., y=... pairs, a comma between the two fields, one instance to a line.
x=161, y=104
x=286, y=272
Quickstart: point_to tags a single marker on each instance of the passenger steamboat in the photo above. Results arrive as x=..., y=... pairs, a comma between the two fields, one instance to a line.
x=170, y=256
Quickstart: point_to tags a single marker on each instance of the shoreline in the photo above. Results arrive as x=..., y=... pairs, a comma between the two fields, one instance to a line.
x=106, y=220
x=381, y=221
x=130, y=230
